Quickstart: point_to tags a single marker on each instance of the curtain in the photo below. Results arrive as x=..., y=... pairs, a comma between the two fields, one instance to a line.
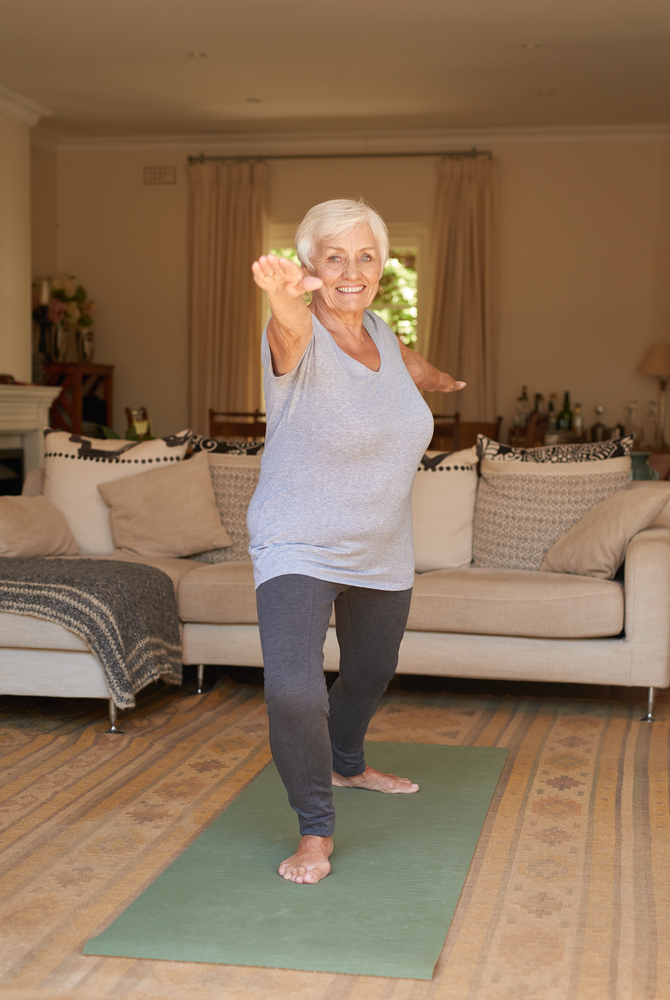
x=226, y=228
x=462, y=340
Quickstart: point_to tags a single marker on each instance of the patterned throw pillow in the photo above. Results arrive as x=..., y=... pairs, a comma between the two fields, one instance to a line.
x=443, y=506
x=75, y=466
x=215, y=446
x=234, y=477
x=528, y=497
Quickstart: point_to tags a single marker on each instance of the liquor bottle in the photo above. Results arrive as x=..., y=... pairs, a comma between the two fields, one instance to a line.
x=599, y=431
x=564, y=422
x=632, y=425
x=650, y=438
x=551, y=410
x=539, y=404
x=577, y=420
x=522, y=409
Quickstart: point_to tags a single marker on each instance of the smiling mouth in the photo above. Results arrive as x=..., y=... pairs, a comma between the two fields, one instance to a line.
x=350, y=289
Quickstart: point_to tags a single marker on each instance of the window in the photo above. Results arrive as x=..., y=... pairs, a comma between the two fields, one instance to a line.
x=397, y=300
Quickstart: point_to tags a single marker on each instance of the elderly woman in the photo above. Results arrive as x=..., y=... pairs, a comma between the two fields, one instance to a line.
x=330, y=522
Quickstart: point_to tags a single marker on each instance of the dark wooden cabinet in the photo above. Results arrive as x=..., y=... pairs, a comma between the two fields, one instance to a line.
x=86, y=398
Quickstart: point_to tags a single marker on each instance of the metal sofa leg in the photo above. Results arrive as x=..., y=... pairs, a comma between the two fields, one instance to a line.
x=651, y=698
x=201, y=677
x=112, y=719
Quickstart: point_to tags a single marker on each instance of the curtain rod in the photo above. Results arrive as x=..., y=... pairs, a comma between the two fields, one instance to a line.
x=458, y=154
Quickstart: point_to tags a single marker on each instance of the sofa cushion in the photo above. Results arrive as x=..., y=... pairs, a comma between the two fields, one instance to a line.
x=471, y=600
x=217, y=446
x=31, y=526
x=75, y=465
x=166, y=512
x=596, y=545
x=234, y=477
x=220, y=594
x=175, y=568
x=516, y=602
x=528, y=498
x=443, y=507
x=27, y=632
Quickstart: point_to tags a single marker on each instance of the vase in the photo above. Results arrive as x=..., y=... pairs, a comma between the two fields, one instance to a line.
x=59, y=342
x=85, y=345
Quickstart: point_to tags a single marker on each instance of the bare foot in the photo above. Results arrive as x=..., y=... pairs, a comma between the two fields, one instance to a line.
x=310, y=862
x=376, y=781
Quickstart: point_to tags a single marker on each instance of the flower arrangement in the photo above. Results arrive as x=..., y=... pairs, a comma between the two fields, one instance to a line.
x=61, y=307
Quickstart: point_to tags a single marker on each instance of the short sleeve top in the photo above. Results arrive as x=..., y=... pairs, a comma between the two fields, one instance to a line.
x=342, y=447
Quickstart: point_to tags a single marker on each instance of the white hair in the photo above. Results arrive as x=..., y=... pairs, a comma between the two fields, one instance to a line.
x=333, y=218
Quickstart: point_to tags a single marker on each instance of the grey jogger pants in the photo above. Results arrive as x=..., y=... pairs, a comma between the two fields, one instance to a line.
x=312, y=733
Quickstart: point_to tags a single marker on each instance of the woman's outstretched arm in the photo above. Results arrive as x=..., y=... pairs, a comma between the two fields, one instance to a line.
x=290, y=327
x=426, y=376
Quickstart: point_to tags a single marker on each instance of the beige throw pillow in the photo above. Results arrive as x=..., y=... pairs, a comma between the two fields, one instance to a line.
x=75, y=465
x=166, y=512
x=234, y=478
x=596, y=545
x=32, y=526
x=527, y=498
x=443, y=509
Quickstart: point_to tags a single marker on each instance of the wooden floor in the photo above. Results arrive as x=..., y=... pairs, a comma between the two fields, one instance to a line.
x=567, y=897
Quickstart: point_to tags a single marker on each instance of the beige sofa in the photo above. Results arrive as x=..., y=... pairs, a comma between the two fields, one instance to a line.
x=504, y=624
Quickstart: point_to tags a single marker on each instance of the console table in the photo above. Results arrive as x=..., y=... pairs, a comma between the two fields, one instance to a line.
x=86, y=395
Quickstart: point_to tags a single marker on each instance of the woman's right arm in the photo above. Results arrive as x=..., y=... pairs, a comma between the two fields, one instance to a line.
x=290, y=326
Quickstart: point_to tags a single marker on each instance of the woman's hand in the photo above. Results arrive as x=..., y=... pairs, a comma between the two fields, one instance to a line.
x=290, y=326
x=280, y=276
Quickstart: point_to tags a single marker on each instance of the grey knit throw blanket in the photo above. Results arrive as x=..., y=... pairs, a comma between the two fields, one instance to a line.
x=126, y=612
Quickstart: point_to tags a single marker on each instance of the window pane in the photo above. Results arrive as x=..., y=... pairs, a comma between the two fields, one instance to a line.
x=396, y=302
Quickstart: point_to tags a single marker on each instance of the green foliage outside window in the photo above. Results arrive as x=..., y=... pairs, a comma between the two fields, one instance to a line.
x=396, y=301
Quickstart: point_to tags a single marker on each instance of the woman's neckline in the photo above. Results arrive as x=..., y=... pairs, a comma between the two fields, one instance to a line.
x=368, y=330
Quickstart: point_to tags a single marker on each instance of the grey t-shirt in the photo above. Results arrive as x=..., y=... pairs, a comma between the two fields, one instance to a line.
x=341, y=451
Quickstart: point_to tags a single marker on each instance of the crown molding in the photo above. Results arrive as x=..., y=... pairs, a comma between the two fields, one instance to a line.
x=331, y=143
x=21, y=109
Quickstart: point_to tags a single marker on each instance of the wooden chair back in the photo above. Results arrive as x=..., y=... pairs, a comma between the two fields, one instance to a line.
x=446, y=432
x=536, y=429
x=233, y=424
x=471, y=428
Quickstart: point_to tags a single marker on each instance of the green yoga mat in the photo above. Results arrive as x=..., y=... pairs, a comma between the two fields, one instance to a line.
x=398, y=869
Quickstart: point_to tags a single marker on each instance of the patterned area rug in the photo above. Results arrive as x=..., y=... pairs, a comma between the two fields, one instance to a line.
x=568, y=896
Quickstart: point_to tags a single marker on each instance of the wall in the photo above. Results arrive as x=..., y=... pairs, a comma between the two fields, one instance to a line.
x=584, y=251
x=585, y=266
x=44, y=212
x=15, y=323
x=127, y=246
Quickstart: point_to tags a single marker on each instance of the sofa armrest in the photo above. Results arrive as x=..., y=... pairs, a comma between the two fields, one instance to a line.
x=33, y=484
x=647, y=607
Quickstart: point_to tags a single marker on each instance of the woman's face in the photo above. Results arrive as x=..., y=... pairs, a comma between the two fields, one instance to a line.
x=350, y=267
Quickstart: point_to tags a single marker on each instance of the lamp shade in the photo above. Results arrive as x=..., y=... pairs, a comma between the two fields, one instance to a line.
x=656, y=361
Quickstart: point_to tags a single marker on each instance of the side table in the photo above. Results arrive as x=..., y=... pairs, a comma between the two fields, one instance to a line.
x=659, y=459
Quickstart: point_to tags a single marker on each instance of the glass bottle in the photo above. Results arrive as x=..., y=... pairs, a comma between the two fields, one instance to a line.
x=650, y=439
x=632, y=426
x=598, y=430
x=564, y=422
x=551, y=410
x=522, y=409
x=578, y=420
x=539, y=404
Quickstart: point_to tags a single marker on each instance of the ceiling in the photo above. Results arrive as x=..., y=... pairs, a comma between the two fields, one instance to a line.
x=121, y=67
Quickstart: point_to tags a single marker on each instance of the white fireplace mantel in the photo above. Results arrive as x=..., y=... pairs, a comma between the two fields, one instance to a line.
x=24, y=413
